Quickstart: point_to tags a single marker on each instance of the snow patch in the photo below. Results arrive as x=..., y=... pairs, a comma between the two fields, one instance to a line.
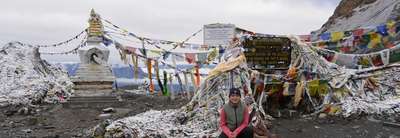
x=27, y=79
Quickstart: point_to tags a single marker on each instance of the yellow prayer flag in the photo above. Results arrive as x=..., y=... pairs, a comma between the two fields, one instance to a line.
x=390, y=24
x=153, y=53
x=375, y=38
x=336, y=36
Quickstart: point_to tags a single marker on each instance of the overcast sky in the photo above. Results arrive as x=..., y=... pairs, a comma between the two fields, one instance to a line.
x=50, y=21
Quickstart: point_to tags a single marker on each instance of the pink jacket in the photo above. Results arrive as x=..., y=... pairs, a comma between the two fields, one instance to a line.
x=224, y=127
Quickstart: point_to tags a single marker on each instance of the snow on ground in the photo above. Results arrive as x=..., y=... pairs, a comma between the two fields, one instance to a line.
x=25, y=78
x=155, y=123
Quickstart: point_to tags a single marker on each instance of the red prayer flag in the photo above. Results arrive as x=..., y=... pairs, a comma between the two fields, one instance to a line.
x=197, y=75
x=389, y=45
x=358, y=32
x=189, y=57
x=130, y=50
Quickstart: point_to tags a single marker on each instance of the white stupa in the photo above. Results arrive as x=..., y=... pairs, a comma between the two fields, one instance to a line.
x=94, y=76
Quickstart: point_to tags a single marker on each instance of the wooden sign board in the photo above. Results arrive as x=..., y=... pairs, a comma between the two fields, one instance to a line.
x=267, y=53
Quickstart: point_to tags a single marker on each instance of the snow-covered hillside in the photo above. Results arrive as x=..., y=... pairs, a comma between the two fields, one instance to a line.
x=351, y=14
x=27, y=79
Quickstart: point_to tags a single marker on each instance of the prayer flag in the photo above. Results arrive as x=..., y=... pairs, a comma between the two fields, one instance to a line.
x=107, y=41
x=197, y=75
x=382, y=29
x=389, y=45
x=314, y=37
x=322, y=44
x=376, y=59
x=390, y=24
x=165, y=90
x=212, y=55
x=358, y=32
x=185, y=78
x=394, y=55
x=348, y=33
x=157, y=70
x=136, y=65
x=193, y=79
x=166, y=55
x=153, y=53
x=189, y=57
x=130, y=50
x=150, y=75
x=375, y=38
x=326, y=36
x=202, y=57
x=174, y=60
x=143, y=52
x=336, y=36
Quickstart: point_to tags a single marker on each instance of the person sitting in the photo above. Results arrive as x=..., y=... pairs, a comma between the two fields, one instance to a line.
x=234, y=117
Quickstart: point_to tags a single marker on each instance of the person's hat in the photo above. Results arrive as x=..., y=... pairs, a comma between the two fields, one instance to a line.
x=234, y=91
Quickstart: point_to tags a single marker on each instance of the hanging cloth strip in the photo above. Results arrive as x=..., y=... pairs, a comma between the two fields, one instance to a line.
x=171, y=85
x=189, y=57
x=336, y=36
x=197, y=67
x=143, y=50
x=385, y=56
x=213, y=54
x=165, y=90
x=318, y=87
x=136, y=65
x=299, y=93
x=202, y=58
x=150, y=76
x=166, y=55
x=376, y=60
x=358, y=32
x=174, y=60
x=289, y=89
x=153, y=53
x=186, y=84
x=124, y=53
x=347, y=60
x=157, y=70
x=193, y=80
x=364, y=61
x=394, y=55
x=180, y=82
x=120, y=55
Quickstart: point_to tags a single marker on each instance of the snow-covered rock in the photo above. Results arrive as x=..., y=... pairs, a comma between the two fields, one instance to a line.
x=27, y=79
x=352, y=14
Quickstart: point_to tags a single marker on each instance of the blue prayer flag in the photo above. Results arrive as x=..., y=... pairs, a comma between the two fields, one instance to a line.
x=326, y=36
x=382, y=29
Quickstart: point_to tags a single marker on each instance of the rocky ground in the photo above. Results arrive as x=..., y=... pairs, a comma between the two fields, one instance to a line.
x=53, y=121
x=335, y=127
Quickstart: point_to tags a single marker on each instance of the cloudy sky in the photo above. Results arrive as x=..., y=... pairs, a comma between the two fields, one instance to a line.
x=51, y=21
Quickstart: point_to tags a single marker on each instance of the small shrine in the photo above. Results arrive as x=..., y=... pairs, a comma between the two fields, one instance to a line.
x=93, y=76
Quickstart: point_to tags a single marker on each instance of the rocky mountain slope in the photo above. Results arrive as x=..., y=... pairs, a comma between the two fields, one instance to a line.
x=351, y=14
